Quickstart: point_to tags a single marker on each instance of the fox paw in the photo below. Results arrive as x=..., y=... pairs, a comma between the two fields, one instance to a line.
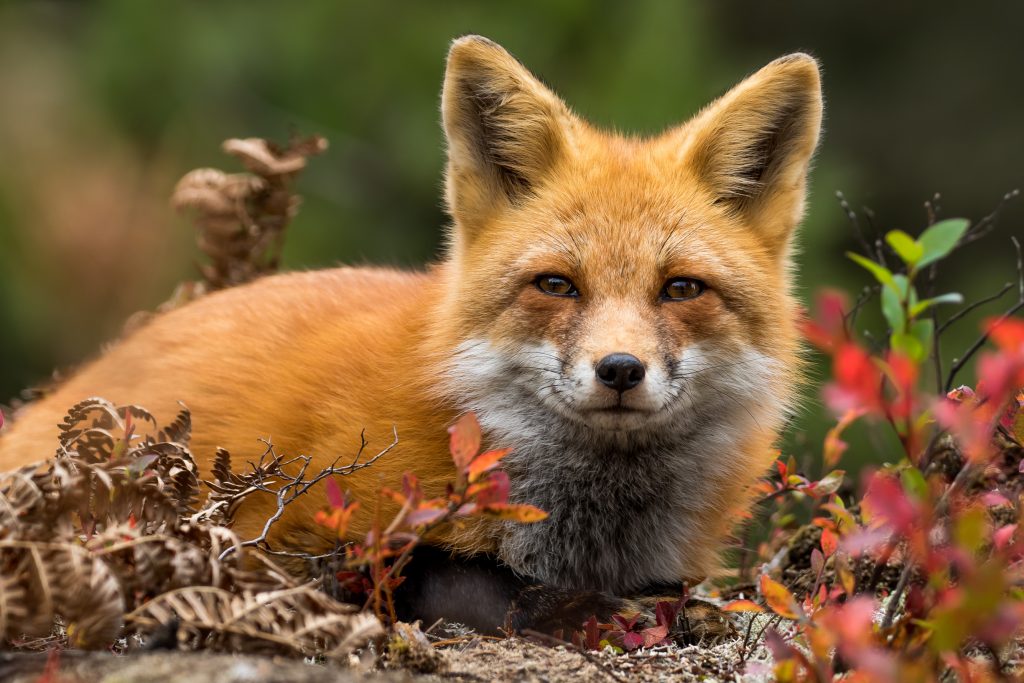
x=697, y=622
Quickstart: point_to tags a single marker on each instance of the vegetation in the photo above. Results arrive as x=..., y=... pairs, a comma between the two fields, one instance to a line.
x=913, y=575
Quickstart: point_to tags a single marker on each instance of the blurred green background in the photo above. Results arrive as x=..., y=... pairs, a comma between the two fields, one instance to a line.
x=106, y=104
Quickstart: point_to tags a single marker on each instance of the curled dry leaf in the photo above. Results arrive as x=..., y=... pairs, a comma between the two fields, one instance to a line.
x=112, y=525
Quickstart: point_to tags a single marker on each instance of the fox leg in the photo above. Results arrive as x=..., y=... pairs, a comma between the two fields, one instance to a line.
x=485, y=595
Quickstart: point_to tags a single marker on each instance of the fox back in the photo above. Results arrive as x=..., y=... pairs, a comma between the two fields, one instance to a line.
x=616, y=309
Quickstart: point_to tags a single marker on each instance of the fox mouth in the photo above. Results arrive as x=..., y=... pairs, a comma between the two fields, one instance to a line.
x=618, y=410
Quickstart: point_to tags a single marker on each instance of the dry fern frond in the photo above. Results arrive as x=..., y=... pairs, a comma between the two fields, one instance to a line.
x=299, y=620
x=240, y=218
x=112, y=525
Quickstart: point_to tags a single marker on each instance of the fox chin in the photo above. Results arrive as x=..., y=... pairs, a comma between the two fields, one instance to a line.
x=616, y=309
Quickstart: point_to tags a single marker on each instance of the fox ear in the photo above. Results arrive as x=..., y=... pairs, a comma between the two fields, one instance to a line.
x=753, y=146
x=505, y=129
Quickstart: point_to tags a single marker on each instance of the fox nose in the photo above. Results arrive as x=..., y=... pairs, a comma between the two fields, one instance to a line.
x=620, y=371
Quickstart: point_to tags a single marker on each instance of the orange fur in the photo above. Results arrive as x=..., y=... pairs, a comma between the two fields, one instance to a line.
x=312, y=360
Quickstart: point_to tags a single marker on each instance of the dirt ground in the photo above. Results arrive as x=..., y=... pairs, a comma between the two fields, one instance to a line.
x=470, y=660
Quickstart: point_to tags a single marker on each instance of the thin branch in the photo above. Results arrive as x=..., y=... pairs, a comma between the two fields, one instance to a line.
x=959, y=363
x=966, y=310
x=295, y=486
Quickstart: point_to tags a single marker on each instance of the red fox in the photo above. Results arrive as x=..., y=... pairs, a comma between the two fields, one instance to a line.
x=616, y=309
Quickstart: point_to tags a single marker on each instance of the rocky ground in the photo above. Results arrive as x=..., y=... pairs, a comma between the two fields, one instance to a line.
x=470, y=660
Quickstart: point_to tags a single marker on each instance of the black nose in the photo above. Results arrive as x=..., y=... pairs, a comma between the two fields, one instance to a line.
x=620, y=371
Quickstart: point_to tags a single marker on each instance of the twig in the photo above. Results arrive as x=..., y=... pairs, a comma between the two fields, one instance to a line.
x=295, y=486
x=959, y=363
x=897, y=594
x=966, y=310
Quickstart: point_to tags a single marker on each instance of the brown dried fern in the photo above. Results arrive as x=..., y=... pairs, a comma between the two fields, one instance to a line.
x=108, y=540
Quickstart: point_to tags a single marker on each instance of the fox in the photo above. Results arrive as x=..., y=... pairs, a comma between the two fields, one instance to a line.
x=618, y=309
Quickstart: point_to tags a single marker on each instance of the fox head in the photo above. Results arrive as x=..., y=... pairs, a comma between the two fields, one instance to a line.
x=617, y=283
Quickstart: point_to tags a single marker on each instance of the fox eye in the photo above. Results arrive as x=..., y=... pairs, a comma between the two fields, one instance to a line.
x=556, y=285
x=682, y=288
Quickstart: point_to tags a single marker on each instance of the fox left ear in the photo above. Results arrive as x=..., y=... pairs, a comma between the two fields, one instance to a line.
x=752, y=147
x=505, y=130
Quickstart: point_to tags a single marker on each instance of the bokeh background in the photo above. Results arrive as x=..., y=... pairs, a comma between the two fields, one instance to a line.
x=106, y=104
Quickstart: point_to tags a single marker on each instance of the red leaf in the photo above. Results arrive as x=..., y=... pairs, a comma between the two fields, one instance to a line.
x=335, y=497
x=411, y=487
x=666, y=611
x=886, y=500
x=858, y=381
x=779, y=599
x=743, y=606
x=783, y=471
x=1008, y=334
x=464, y=440
x=527, y=514
x=829, y=542
x=777, y=645
x=592, y=634
x=484, y=462
x=1003, y=535
x=493, y=489
x=817, y=562
x=425, y=515
x=632, y=641
x=654, y=635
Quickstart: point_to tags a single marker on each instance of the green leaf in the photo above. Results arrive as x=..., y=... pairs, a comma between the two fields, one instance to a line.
x=908, y=345
x=921, y=307
x=905, y=246
x=881, y=273
x=940, y=239
x=830, y=483
x=914, y=483
x=916, y=343
x=892, y=307
x=902, y=286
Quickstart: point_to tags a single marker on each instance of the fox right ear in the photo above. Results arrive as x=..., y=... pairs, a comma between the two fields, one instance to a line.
x=752, y=148
x=505, y=130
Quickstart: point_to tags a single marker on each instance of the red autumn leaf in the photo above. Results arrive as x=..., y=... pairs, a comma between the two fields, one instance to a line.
x=424, y=515
x=484, y=462
x=654, y=635
x=1008, y=334
x=743, y=606
x=817, y=562
x=829, y=542
x=783, y=470
x=592, y=634
x=527, y=514
x=399, y=498
x=835, y=446
x=902, y=373
x=464, y=440
x=335, y=497
x=778, y=598
x=1003, y=536
x=666, y=611
x=827, y=330
x=777, y=645
x=858, y=381
x=411, y=487
x=493, y=489
x=962, y=393
x=886, y=500
x=625, y=623
x=632, y=641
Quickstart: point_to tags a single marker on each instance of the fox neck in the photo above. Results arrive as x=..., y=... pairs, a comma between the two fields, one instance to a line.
x=628, y=509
